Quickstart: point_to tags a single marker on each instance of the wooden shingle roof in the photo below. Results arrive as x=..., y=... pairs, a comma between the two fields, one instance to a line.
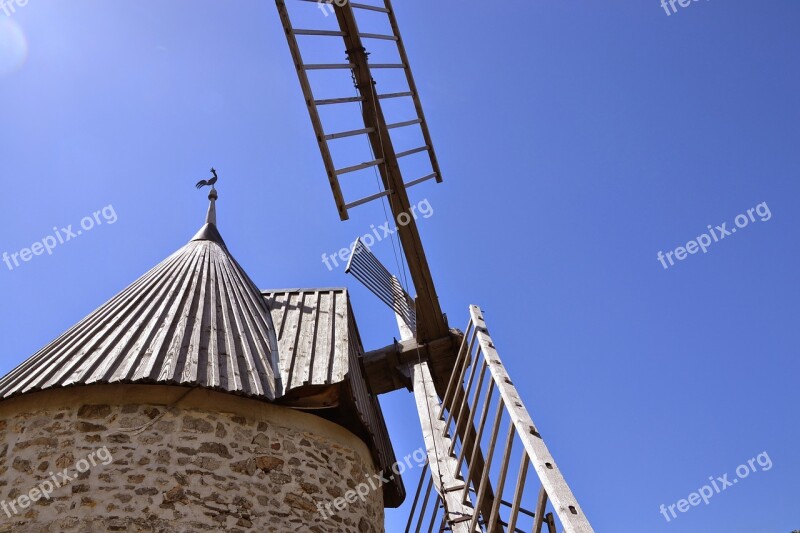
x=194, y=319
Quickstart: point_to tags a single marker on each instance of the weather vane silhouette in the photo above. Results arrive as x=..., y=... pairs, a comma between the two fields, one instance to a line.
x=211, y=182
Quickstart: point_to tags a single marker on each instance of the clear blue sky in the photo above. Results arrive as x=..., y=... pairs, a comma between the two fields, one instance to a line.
x=577, y=140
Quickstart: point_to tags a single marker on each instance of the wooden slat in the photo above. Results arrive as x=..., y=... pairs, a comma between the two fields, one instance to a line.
x=278, y=305
x=377, y=36
x=519, y=489
x=349, y=133
x=360, y=166
x=541, y=506
x=290, y=338
x=305, y=342
x=413, y=151
x=325, y=337
x=423, y=476
x=339, y=366
x=325, y=33
x=394, y=95
x=327, y=66
x=420, y=180
x=330, y=101
x=403, y=124
x=366, y=7
x=367, y=199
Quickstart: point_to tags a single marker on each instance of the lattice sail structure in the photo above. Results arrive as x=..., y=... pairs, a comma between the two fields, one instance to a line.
x=366, y=107
x=475, y=487
x=367, y=269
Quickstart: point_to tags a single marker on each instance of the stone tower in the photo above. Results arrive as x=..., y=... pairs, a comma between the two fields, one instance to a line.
x=192, y=401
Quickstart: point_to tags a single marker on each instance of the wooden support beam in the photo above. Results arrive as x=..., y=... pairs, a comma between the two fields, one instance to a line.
x=383, y=368
x=444, y=470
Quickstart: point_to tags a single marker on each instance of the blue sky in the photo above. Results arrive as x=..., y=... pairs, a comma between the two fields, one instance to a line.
x=576, y=139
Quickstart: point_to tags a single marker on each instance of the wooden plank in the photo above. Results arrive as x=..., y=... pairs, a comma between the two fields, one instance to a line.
x=349, y=133
x=377, y=36
x=367, y=7
x=331, y=101
x=420, y=180
x=288, y=342
x=360, y=166
x=367, y=199
x=394, y=95
x=324, y=346
x=278, y=306
x=541, y=506
x=340, y=365
x=413, y=151
x=324, y=33
x=301, y=374
x=403, y=124
x=328, y=66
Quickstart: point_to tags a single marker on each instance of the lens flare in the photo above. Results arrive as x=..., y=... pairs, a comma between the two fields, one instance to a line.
x=13, y=46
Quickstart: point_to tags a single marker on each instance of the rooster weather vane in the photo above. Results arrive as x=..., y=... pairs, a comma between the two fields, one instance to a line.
x=211, y=182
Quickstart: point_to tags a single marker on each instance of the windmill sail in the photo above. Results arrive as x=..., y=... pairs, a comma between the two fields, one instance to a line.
x=367, y=269
x=366, y=110
x=495, y=494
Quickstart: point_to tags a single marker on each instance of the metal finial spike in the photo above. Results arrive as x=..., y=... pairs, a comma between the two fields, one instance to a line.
x=211, y=216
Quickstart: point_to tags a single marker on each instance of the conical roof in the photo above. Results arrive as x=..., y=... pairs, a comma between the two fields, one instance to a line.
x=194, y=319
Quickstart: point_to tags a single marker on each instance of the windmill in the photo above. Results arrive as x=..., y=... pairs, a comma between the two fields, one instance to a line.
x=220, y=406
x=464, y=395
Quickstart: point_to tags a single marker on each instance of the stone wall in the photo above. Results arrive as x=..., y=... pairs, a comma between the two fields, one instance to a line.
x=157, y=458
